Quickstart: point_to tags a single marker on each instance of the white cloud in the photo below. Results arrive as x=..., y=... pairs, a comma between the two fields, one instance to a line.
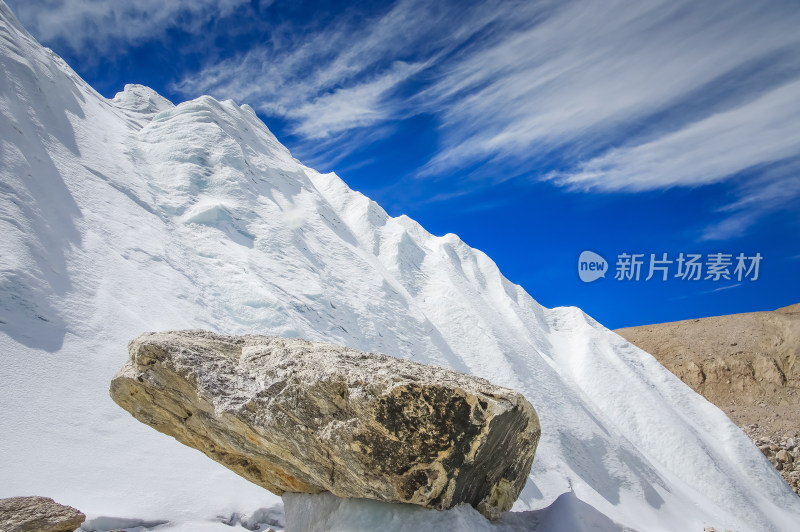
x=103, y=24
x=345, y=76
x=346, y=108
x=590, y=69
x=707, y=151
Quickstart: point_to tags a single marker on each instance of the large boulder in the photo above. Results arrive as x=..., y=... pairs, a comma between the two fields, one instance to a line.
x=38, y=514
x=298, y=416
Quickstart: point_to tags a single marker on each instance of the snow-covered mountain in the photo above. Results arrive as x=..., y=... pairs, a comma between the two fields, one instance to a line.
x=129, y=215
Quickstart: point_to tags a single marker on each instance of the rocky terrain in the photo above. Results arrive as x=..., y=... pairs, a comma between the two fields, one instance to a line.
x=746, y=364
x=37, y=514
x=782, y=449
x=305, y=417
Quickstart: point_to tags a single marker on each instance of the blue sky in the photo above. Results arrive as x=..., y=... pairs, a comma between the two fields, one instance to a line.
x=533, y=130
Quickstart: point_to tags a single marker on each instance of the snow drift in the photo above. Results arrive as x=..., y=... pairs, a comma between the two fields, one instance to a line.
x=128, y=215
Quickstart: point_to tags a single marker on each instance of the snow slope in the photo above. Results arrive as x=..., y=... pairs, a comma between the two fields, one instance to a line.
x=129, y=215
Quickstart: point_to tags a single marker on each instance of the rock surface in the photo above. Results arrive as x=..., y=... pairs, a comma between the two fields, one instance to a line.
x=296, y=416
x=38, y=514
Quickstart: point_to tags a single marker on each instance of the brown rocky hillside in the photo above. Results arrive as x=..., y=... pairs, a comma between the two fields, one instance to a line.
x=747, y=364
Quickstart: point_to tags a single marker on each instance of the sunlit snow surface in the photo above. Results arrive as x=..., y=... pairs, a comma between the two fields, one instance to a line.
x=130, y=215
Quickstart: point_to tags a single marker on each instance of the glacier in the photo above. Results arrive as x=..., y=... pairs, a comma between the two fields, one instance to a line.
x=132, y=214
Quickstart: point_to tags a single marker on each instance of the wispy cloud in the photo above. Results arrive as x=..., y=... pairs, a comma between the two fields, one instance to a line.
x=705, y=292
x=712, y=149
x=588, y=73
x=101, y=25
x=765, y=190
x=593, y=81
x=342, y=74
x=721, y=288
x=355, y=106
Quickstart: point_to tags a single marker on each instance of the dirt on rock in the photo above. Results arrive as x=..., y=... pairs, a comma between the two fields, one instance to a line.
x=746, y=364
